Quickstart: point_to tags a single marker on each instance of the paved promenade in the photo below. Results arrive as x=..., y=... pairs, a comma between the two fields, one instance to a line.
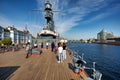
x=14, y=66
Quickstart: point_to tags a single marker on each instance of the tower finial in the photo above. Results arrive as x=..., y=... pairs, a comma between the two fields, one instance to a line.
x=47, y=1
x=25, y=26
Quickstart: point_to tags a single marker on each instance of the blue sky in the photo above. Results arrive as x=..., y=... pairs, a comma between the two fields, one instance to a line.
x=77, y=19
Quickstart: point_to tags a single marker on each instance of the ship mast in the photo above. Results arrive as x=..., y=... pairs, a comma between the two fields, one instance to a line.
x=49, y=29
x=49, y=16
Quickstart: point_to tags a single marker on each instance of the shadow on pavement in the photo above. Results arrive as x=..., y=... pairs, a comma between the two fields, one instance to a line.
x=6, y=72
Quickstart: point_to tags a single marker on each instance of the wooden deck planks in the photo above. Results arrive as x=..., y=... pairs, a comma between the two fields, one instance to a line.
x=43, y=67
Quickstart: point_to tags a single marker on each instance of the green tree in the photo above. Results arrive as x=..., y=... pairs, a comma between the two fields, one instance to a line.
x=33, y=37
x=6, y=41
x=0, y=42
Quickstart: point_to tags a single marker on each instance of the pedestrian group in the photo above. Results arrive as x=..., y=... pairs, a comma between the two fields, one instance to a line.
x=59, y=48
x=61, y=52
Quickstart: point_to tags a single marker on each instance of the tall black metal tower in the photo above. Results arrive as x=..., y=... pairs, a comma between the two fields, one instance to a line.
x=49, y=16
x=49, y=30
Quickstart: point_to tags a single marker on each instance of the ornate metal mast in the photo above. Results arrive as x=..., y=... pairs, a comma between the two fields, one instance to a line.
x=49, y=30
x=49, y=16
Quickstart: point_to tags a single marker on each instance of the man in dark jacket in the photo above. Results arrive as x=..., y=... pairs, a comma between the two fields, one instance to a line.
x=52, y=46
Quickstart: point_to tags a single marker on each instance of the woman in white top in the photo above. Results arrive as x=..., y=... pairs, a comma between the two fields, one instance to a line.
x=60, y=55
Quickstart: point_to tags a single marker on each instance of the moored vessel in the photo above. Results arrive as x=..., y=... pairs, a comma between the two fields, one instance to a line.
x=49, y=34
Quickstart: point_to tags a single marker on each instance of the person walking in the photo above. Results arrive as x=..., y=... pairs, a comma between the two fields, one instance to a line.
x=3, y=48
x=52, y=46
x=13, y=47
x=35, y=45
x=42, y=45
x=64, y=51
x=60, y=50
x=28, y=49
x=47, y=44
x=56, y=47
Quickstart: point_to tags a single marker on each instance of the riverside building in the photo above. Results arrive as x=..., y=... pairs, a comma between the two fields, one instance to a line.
x=103, y=35
x=17, y=36
x=1, y=32
x=4, y=33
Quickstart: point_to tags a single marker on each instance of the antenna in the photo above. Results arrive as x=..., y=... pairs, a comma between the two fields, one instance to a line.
x=46, y=0
x=26, y=26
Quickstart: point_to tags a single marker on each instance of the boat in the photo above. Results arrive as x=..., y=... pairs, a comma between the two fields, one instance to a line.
x=40, y=68
x=49, y=33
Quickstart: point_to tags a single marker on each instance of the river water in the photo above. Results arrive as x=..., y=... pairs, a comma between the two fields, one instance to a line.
x=107, y=58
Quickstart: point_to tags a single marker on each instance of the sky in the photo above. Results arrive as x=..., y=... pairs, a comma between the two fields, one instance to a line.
x=76, y=19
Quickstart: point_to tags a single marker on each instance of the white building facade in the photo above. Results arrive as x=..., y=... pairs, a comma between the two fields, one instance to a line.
x=17, y=36
x=1, y=32
x=103, y=35
x=4, y=33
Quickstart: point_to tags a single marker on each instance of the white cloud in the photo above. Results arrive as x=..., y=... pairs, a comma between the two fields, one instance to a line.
x=104, y=14
x=76, y=13
x=72, y=13
x=97, y=17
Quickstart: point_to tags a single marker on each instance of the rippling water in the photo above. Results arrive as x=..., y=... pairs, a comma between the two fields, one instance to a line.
x=107, y=58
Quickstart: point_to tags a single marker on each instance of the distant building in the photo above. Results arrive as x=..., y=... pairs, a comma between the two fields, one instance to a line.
x=17, y=36
x=1, y=32
x=103, y=35
x=4, y=33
